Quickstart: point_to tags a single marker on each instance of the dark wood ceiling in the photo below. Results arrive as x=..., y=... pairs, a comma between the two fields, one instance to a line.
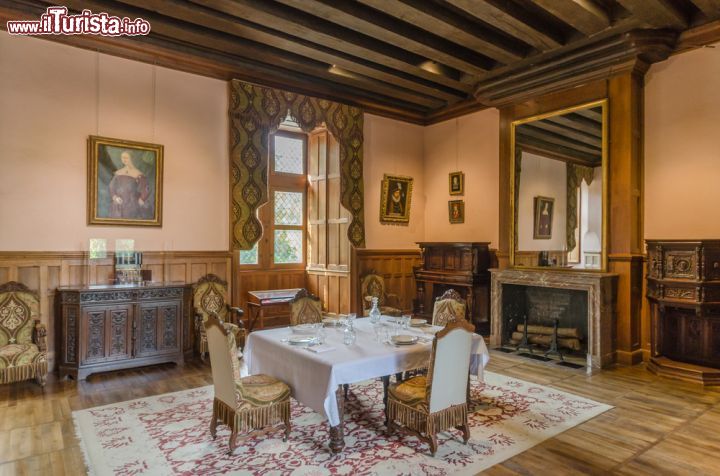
x=571, y=137
x=416, y=60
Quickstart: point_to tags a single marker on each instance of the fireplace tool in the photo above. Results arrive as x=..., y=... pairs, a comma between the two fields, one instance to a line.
x=524, y=343
x=553, y=350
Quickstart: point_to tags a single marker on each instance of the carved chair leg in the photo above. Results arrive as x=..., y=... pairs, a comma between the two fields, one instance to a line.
x=465, y=432
x=346, y=388
x=213, y=426
x=41, y=379
x=433, y=444
x=233, y=441
x=288, y=428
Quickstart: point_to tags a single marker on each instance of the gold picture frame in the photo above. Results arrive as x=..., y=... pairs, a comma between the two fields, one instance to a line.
x=395, y=199
x=456, y=183
x=124, y=182
x=543, y=214
x=456, y=211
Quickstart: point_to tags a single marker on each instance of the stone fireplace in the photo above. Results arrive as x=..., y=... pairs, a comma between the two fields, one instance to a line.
x=582, y=301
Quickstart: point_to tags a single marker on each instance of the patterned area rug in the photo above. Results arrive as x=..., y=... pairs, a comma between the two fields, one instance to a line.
x=168, y=435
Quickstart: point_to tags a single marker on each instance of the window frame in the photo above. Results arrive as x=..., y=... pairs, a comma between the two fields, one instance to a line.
x=282, y=182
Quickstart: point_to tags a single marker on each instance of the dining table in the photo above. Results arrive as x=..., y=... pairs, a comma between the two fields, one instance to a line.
x=317, y=374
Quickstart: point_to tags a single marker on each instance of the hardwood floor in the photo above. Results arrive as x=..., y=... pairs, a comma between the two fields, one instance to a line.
x=658, y=426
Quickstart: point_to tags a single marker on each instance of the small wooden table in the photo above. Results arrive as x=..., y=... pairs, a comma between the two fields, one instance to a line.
x=261, y=301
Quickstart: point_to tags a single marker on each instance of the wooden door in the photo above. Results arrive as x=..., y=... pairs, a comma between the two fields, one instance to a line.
x=158, y=328
x=107, y=332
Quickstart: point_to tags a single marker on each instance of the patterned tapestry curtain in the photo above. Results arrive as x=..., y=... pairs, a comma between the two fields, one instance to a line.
x=575, y=175
x=255, y=113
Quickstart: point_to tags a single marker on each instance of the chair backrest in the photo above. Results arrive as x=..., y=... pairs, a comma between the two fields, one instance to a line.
x=448, y=308
x=305, y=308
x=18, y=310
x=449, y=368
x=209, y=296
x=223, y=360
x=372, y=285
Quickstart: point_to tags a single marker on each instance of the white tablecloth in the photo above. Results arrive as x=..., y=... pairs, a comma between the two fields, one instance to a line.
x=314, y=378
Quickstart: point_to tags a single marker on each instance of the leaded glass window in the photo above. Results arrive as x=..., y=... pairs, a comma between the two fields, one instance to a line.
x=288, y=246
x=249, y=256
x=288, y=208
x=289, y=155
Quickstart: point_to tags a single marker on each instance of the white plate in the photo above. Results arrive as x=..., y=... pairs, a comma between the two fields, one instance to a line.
x=300, y=340
x=329, y=321
x=418, y=322
x=304, y=329
x=404, y=339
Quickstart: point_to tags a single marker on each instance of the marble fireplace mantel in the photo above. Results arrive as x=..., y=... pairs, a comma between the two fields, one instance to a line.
x=601, y=291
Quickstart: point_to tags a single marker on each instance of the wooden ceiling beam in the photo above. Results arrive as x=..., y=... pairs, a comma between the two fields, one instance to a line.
x=552, y=151
x=577, y=123
x=513, y=20
x=308, y=27
x=709, y=8
x=583, y=15
x=657, y=13
x=373, y=23
x=184, y=11
x=594, y=114
x=570, y=132
x=529, y=130
x=221, y=42
x=432, y=18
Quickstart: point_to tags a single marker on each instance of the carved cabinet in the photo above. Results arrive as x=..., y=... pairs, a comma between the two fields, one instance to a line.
x=683, y=290
x=104, y=328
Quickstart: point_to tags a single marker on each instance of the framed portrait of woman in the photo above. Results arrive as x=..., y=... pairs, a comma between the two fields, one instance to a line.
x=456, y=183
x=544, y=208
x=456, y=211
x=124, y=182
x=395, y=199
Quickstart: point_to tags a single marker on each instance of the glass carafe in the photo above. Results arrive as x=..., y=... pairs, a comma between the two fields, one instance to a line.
x=375, y=311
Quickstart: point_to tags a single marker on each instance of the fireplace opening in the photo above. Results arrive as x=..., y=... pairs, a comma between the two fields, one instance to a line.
x=548, y=323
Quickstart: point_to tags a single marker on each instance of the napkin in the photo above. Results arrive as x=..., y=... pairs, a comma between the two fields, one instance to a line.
x=321, y=348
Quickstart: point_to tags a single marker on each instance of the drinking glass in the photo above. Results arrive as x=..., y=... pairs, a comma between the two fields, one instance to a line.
x=406, y=321
x=379, y=331
x=320, y=335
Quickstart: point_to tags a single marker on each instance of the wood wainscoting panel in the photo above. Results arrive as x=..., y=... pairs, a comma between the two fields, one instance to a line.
x=44, y=271
x=396, y=267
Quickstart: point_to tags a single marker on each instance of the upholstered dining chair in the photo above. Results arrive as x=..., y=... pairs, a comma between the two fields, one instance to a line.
x=244, y=404
x=448, y=307
x=23, y=339
x=208, y=298
x=427, y=405
x=305, y=308
x=372, y=285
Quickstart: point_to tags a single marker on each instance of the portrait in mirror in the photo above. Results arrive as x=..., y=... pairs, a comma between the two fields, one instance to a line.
x=456, y=181
x=395, y=199
x=558, y=179
x=543, y=217
x=456, y=211
x=124, y=182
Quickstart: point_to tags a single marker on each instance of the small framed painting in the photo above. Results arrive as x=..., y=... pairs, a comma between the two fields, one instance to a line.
x=395, y=198
x=124, y=182
x=456, y=182
x=456, y=211
x=543, y=217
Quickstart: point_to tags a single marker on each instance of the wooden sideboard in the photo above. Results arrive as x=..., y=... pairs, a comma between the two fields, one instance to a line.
x=683, y=290
x=460, y=266
x=111, y=327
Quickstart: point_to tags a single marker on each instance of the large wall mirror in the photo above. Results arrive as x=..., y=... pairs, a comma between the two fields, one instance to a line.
x=558, y=184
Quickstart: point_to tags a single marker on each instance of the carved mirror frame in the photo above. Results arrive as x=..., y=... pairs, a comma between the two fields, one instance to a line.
x=604, y=104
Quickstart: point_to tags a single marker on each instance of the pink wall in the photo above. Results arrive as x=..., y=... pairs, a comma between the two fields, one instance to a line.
x=469, y=144
x=682, y=146
x=396, y=148
x=54, y=96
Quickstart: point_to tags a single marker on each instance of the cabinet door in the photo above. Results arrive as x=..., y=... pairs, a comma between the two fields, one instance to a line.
x=93, y=328
x=158, y=328
x=107, y=332
x=147, y=340
x=119, y=324
x=170, y=321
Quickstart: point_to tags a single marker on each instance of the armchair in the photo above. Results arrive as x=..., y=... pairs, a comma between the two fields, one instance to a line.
x=209, y=298
x=427, y=405
x=448, y=308
x=244, y=404
x=373, y=285
x=23, y=339
x=305, y=308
